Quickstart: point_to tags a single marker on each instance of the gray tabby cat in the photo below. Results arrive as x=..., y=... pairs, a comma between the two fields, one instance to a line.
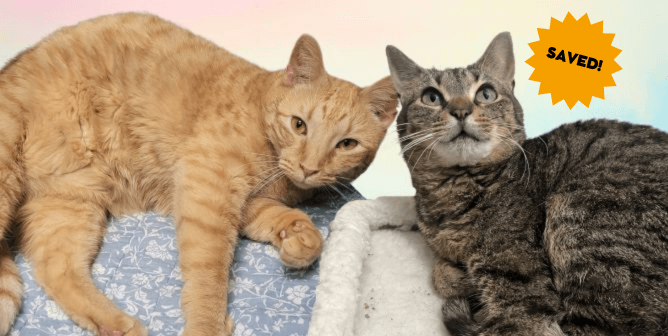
x=564, y=234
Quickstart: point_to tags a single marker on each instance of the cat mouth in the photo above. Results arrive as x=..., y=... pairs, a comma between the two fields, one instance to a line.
x=302, y=184
x=463, y=136
x=305, y=183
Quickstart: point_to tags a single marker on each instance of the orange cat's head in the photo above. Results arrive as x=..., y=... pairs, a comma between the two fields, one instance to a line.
x=325, y=129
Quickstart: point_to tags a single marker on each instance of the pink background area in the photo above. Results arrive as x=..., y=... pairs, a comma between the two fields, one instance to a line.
x=353, y=35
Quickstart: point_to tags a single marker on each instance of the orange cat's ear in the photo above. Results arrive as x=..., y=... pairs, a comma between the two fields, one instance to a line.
x=305, y=64
x=382, y=98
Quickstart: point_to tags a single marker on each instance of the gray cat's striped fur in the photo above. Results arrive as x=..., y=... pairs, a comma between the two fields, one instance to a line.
x=564, y=234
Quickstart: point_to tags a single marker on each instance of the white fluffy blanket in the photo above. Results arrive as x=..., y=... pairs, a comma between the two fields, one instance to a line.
x=375, y=274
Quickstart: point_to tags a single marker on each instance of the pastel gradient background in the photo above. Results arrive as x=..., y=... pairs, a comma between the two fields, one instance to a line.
x=353, y=35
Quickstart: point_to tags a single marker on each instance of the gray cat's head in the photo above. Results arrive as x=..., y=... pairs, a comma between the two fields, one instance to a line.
x=462, y=116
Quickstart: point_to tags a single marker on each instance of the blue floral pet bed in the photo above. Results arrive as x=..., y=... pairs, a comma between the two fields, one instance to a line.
x=138, y=269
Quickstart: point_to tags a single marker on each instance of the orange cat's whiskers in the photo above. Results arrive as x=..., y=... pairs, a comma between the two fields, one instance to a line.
x=261, y=162
x=269, y=172
x=274, y=175
x=331, y=196
x=262, y=154
x=344, y=178
x=344, y=185
x=347, y=187
x=338, y=191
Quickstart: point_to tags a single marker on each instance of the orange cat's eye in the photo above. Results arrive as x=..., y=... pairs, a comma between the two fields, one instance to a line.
x=298, y=125
x=347, y=144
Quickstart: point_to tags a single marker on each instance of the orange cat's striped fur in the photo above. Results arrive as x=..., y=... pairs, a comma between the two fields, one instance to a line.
x=129, y=112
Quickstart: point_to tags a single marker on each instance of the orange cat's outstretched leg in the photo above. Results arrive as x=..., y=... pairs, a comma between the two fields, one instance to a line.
x=62, y=234
x=290, y=230
x=207, y=216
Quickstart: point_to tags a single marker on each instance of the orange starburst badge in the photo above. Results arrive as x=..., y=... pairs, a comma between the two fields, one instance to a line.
x=573, y=60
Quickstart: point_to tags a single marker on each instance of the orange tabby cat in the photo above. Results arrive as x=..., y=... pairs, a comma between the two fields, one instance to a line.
x=127, y=113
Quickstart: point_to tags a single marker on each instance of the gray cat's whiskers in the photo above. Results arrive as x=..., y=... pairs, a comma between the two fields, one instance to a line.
x=403, y=127
x=415, y=143
x=408, y=124
x=505, y=139
x=545, y=143
x=432, y=148
x=438, y=136
x=440, y=131
x=419, y=137
x=509, y=126
x=419, y=133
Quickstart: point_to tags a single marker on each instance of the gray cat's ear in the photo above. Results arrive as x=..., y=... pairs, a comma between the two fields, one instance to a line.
x=402, y=69
x=381, y=99
x=305, y=64
x=498, y=60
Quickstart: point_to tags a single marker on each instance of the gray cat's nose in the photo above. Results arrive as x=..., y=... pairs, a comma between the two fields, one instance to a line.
x=460, y=114
x=460, y=108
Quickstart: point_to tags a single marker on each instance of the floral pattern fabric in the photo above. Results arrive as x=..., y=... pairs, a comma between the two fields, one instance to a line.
x=137, y=268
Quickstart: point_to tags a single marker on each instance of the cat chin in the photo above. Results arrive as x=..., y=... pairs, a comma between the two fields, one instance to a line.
x=462, y=152
x=306, y=186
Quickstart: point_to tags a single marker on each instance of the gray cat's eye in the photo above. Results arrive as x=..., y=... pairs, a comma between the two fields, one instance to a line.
x=485, y=95
x=431, y=97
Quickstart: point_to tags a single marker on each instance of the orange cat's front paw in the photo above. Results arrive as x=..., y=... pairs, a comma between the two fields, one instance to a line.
x=300, y=243
x=125, y=327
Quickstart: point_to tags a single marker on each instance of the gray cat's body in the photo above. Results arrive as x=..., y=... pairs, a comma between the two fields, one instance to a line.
x=566, y=233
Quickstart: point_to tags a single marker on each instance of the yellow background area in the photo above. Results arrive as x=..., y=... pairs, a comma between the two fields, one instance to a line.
x=569, y=81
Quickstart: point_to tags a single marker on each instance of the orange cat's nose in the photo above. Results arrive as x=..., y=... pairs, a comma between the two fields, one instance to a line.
x=307, y=171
